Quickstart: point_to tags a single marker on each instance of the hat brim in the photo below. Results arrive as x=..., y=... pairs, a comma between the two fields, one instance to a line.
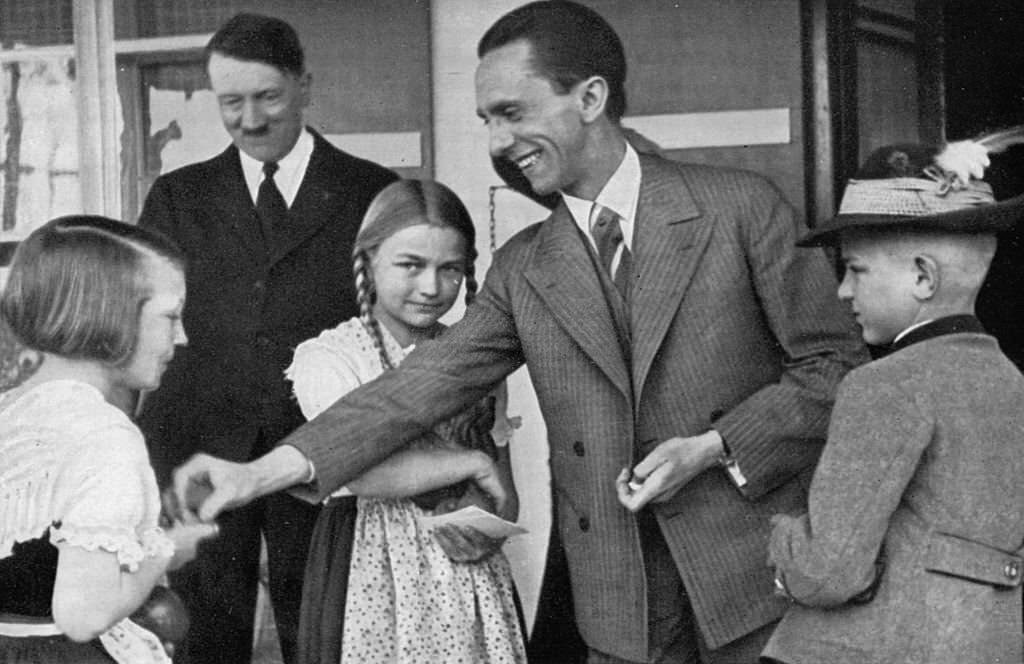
x=992, y=218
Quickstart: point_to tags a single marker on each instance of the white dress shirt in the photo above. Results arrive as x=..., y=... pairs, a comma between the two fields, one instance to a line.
x=290, y=169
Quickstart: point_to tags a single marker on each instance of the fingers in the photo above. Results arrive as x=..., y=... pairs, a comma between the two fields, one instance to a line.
x=185, y=477
x=649, y=463
x=652, y=489
x=624, y=491
x=171, y=509
x=200, y=531
x=465, y=544
x=214, y=504
x=204, y=486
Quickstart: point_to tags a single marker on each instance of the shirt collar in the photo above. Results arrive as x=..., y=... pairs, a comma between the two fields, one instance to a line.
x=936, y=328
x=621, y=194
x=290, y=169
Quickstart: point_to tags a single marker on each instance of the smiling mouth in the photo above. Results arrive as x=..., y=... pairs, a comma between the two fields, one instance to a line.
x=527, y=161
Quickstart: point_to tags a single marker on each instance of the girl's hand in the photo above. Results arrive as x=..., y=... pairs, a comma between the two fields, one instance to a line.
x=466, y=545
x=497, y=483
x=186, y=538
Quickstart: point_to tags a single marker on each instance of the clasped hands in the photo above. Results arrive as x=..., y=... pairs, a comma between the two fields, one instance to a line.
x=667, y=468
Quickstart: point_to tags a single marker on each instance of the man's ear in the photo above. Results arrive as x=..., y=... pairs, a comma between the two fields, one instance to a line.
x=593, y=97
x=927, y=276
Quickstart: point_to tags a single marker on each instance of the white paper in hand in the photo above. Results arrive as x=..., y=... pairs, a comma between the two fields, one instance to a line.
x=474, y=517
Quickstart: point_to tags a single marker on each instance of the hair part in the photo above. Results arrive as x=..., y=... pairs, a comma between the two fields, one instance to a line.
x=259, y=38
x=569, y=43
x=399, y=205
x=77, y=286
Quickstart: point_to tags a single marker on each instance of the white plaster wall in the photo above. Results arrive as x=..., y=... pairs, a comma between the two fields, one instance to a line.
x=462, y=163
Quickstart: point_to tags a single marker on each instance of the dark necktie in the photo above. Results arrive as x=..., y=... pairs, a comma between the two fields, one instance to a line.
x=606, y=229
x=270, y=205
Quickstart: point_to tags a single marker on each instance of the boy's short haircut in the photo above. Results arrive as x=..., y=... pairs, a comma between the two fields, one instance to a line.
x=77, y=285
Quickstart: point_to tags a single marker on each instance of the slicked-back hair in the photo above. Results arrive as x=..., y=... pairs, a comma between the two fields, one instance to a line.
x=570, y=43
x=77, y=285
x=259, y=38
x=399, y=205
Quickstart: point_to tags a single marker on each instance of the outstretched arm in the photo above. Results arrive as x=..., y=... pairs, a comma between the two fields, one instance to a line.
x=435, y=382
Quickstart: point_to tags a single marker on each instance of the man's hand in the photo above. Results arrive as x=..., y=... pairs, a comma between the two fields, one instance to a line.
x=669, y=467
x=206, y=485
x=186, y=538
x=498, y=486
x=466, y=545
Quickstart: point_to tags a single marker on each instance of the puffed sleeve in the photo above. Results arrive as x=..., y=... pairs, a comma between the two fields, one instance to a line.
x=107, y=498
x=321, y=374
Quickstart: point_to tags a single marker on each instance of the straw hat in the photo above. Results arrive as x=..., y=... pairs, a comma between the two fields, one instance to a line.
x=902, y=187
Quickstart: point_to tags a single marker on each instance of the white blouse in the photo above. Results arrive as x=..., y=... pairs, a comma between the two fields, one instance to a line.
x=77, y=465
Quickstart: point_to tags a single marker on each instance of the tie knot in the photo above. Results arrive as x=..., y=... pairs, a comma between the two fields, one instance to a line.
x=601, y=218
x=269, y=168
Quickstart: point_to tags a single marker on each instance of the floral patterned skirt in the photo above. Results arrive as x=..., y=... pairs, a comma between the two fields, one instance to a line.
x=409, y=603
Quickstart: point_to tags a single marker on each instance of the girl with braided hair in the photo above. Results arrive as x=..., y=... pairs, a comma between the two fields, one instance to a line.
x=379, y=586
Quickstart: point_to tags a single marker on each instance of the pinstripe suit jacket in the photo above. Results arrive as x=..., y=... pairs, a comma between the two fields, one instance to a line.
x=731, y=325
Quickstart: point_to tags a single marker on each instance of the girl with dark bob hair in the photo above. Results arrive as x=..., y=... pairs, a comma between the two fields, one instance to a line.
x=99, y=302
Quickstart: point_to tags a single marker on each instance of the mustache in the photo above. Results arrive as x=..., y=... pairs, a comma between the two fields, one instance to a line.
x=256, y=131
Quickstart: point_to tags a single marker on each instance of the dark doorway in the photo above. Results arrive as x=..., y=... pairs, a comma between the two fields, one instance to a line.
x=984, y=71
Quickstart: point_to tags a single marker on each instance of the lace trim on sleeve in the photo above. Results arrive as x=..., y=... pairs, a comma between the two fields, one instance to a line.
x=131, y=549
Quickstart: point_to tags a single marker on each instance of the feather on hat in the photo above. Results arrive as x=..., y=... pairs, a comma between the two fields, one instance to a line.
x=917, y=187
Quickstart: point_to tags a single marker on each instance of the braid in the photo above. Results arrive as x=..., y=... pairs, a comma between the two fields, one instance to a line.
x=364, y=297
x=470, y=283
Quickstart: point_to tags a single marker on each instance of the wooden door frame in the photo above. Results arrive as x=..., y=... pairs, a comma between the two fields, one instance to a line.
x=831, y=30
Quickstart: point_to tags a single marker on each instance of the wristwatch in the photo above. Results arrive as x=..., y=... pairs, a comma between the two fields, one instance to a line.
x=726, y=462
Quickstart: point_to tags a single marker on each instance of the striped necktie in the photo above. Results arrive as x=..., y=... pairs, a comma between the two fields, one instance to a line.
x=606, y=229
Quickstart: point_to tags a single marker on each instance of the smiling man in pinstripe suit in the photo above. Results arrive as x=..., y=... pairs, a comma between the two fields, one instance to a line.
x=700, y=351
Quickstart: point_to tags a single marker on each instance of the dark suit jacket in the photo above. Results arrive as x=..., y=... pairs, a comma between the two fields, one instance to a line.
x=250, y=304
x=732, y=326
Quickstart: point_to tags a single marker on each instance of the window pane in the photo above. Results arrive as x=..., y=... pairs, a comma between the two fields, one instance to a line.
x=159, y=18
x=182, y=124
x=39, y=146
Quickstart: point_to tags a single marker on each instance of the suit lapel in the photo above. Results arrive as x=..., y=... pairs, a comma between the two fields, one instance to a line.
x=562, y=274
x=312, y=207
x=668, y=243
x=233, y=204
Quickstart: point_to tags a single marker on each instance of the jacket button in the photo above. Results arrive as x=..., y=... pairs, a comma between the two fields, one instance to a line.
x=577, y=447
x=258, y=287
x=584, y=524
x=1012, y=569
x=716, y=414
x=263, y=341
